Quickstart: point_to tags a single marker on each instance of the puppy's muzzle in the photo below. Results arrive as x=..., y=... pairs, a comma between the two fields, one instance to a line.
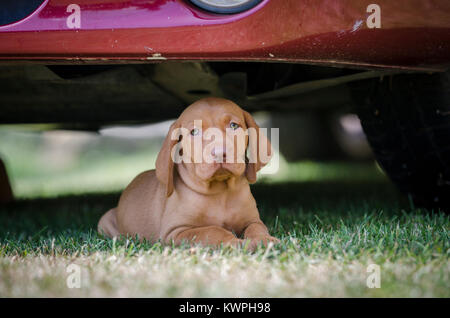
x=219, y=154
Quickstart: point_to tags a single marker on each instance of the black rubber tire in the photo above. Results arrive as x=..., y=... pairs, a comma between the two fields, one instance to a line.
x=407, y=121
x=12, y=11
x=230, y=10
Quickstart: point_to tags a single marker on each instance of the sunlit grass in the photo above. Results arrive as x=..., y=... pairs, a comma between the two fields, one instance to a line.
x=325, y=250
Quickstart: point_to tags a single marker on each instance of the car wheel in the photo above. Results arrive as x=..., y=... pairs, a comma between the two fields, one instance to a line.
x=226, y=6
x=407, y=121
x=12, y=11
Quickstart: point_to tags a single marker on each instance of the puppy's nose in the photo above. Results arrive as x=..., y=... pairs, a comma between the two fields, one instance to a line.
x=219, y=154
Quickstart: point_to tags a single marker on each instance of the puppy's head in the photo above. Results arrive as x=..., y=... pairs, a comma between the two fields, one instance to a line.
x=214, y=139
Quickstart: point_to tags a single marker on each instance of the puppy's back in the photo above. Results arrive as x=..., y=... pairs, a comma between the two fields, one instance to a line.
x=140, y=207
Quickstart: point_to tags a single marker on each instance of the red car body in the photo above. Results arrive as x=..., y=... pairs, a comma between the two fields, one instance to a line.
x=411, y=34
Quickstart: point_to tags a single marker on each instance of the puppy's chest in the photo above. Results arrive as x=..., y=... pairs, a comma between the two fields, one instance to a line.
x=224, y=213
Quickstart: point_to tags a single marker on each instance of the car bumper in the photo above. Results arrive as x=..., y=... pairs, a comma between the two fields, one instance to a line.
x=413, y=34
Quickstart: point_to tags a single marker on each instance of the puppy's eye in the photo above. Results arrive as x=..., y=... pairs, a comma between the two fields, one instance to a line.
x=234, y=126
x=195, y=132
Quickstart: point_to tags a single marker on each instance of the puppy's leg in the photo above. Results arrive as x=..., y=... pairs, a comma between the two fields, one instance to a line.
x=208, y=235
x=257, y=232
x=6, y=194
x=108, y=224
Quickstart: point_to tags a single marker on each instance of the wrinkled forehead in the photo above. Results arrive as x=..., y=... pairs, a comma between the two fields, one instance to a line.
x=212, y=112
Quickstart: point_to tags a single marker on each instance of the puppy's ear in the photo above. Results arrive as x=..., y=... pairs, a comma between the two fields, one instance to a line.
x=164, y=161
x=255, y=141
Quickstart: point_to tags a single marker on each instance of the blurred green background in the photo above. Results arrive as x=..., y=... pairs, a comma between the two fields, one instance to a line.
x=55, y=163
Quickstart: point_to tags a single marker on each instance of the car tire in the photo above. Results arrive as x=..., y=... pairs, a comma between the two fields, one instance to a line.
x=407, y=122
x=224, y=8
x=12, y=11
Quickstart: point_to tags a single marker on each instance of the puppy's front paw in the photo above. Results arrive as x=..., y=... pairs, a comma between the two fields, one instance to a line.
x=235, y=242
x=263, y=240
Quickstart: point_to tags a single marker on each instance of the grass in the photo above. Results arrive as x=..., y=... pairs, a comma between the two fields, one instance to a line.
x=334, y=220
x=330, y=233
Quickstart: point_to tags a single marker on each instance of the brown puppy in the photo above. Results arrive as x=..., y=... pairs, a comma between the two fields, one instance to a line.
x=207, y=203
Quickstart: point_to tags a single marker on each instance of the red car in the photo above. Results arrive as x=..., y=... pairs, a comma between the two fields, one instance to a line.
x=84, y=63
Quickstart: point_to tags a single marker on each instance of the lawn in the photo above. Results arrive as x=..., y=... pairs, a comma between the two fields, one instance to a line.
x=333, y=219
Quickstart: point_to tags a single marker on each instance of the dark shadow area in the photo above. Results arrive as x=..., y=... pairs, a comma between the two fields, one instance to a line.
x=78, y=214
x=25, y=219
x=336, y=196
